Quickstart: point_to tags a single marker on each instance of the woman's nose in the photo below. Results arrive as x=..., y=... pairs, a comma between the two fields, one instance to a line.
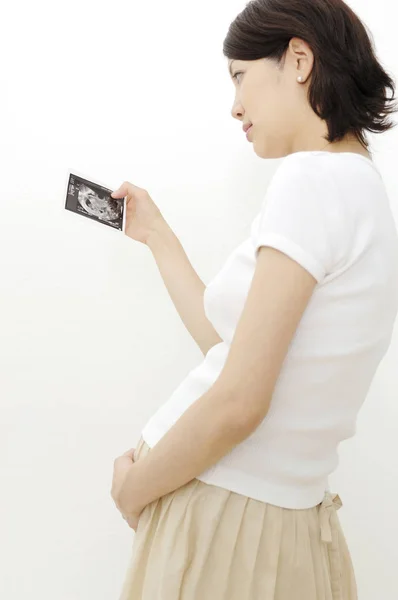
x=237, y=112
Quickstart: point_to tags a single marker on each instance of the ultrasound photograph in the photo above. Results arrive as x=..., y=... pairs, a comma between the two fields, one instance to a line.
x=94, y=201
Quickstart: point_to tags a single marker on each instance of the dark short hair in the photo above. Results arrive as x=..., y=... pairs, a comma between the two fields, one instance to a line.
x=348, y=84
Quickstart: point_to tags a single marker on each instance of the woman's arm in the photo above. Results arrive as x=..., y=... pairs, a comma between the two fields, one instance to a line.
x=239, y=400
x=208, y=430
x=184, y=285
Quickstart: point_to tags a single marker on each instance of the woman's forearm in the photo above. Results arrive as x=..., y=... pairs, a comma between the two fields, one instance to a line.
x=184, y=285
x=207, y=431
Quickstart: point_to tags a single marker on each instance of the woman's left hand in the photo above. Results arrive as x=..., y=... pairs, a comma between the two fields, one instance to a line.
x=121, y=467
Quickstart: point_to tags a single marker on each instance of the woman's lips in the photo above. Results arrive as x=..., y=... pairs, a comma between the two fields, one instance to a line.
x=248, y=131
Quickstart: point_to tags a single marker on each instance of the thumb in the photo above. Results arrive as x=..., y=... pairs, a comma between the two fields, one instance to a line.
x=120, y=193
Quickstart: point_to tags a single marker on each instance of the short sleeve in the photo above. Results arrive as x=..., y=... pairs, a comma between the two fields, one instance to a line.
x=298, y=215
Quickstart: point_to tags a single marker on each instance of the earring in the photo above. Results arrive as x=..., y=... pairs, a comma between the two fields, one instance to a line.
x=300, y=79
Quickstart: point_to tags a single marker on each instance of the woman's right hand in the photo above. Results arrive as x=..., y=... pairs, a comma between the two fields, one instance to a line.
x=142, y=214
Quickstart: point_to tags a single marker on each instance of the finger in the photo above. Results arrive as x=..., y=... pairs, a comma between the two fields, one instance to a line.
x=123, y=191
x=131, y=523
x=130, y=190
x=130, y=453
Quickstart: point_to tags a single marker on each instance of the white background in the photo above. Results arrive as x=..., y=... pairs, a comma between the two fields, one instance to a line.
x=91, y=343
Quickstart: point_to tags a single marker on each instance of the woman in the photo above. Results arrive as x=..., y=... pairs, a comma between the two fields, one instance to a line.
x=228, y=487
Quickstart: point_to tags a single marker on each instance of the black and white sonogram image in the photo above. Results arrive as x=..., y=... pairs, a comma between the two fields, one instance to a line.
x=94, y=201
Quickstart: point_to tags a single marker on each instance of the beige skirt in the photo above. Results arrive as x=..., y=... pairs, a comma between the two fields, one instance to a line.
x=202, y=542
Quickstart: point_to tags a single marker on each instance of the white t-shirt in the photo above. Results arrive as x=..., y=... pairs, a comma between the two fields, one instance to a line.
x=330, y=213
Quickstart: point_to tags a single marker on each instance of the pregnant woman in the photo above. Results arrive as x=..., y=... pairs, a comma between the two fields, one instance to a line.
x=227, y=490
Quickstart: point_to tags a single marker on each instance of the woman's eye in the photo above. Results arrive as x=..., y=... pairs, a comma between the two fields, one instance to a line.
x=236, y=74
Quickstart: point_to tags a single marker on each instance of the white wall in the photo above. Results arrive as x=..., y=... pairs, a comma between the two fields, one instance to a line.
x=91, y=343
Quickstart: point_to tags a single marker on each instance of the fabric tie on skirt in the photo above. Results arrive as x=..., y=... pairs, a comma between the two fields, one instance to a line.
x=329, y=534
